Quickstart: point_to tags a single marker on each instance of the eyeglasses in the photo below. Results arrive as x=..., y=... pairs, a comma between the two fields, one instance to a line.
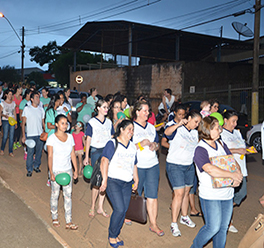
x=117, y=107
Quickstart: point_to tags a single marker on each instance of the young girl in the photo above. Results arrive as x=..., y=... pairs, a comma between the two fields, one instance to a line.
x=60, y=154
x=79, y=140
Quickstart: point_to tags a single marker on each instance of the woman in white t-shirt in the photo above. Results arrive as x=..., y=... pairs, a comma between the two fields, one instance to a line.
x=7, y=109
x=183, y=138
x=118, y=166
x=237, y=146
x=216, y=203
x=147, y=142
x=99, y=131
x=61, y=152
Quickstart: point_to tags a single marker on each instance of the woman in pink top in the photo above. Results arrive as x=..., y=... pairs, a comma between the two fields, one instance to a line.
x=79, y=140
x=17, y=100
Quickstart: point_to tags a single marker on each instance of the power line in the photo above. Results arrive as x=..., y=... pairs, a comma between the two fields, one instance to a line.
x=2, y=57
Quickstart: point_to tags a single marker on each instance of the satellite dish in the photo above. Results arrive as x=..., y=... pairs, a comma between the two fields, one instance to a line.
x=242, y=29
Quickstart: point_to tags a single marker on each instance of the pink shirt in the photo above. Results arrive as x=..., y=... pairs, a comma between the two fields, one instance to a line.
x=17, y=102
x=78, y=140
x=152, y=119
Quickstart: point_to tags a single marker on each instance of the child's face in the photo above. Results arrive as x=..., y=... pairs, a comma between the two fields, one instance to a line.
x=179, y=115
x=78, y=126
x=207, y=107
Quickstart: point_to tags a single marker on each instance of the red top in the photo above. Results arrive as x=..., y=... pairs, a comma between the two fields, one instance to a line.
x=78, y=140
x=17, y=102
x=152, y=119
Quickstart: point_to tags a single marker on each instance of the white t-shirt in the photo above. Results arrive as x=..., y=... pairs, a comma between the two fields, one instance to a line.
x=8, y=109
x=122, y=161
x=146, y=158
x=61, y=152
x=234, y=140
x=100, y=132
x=182, y=146
x=168, y=103
x=262, y=139
x=202, y=153
x=34, y=120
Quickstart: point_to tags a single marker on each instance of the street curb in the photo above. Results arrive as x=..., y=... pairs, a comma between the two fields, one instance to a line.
x=50, y=229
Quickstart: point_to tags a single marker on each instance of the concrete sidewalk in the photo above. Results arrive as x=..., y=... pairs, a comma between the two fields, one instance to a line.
x=93, y=232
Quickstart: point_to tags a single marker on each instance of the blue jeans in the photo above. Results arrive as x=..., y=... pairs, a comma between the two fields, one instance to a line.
x=95, y=154
x=217, y=215
x=7, y=128
x=119, y=194
x=240, y=192
x=38, y=153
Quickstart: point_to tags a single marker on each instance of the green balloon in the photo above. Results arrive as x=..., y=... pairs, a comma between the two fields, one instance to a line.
x=120, y=115
x=219, y=117
x=87, y=171
x=126, y=112
x=63, y=179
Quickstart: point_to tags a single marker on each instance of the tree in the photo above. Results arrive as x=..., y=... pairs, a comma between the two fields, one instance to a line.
x=9, y=74
x=60, y=60
x=38, y=78
x=45, y=55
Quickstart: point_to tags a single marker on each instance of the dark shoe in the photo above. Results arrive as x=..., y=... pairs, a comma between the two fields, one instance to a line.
x=121, y=242
x=37, y=170
x=29, y=174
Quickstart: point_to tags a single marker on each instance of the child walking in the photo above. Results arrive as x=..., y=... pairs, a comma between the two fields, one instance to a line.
x=79, y=140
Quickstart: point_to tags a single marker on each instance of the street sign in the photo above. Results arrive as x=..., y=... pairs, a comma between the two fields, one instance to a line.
x=79, y=79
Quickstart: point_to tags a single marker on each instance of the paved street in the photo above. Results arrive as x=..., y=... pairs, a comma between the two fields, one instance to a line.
x=93, y=231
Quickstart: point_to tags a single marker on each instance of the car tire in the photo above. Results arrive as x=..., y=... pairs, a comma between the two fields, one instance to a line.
x=256, y=141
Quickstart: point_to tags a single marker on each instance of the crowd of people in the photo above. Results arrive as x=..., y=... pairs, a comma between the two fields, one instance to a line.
x=128, y=145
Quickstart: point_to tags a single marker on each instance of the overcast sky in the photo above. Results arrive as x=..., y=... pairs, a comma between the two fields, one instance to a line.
x=58, y=20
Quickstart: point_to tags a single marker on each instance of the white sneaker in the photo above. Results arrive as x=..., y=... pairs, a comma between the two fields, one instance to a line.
x=175, y=230
x=232, y=229
x=187, y=221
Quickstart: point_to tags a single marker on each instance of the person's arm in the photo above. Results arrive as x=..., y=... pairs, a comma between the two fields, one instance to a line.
x=50, y=162
x=135, y=177
x=15, y=116
x=87, y=148
x=84, y=140
x=164, y=104
x=165, y=143
x=214, y=171
x=144, y=142
x=20, y=114
x=241, y=151
x=43, y=125
x=169, y=130
x=1, y=109
x=23, y=125
x=74, y=162
x=80, y=108
x=104, y=170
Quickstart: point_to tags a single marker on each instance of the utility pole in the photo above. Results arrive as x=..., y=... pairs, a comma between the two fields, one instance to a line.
x=255, y=81
x=219, y=45
x=22, y=54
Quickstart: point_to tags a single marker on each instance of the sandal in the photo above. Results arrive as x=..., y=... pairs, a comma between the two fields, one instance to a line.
x=71, y=226
x=91, y=212
x=2, y=153
x=128, y=222
x=104, y=213
x=159, y=232
x=55, y=223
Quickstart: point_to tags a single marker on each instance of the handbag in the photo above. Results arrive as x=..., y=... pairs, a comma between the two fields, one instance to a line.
x=254, y=237
x=225, y=162
x=96, y=178
x=43, y=136
x=137, y=210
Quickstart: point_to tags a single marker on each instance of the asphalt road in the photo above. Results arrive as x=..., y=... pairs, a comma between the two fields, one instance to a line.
x=19, y=226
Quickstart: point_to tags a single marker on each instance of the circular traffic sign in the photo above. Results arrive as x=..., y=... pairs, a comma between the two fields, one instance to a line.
x=79, y=79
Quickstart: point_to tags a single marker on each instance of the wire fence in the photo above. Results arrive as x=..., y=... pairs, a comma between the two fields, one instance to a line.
x=232, y=95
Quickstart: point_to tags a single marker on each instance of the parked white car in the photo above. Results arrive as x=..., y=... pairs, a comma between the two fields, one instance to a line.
x=254, y=137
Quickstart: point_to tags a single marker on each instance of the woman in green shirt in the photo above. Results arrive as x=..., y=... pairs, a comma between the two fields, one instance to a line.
x=51, y=114
x=83, y=109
